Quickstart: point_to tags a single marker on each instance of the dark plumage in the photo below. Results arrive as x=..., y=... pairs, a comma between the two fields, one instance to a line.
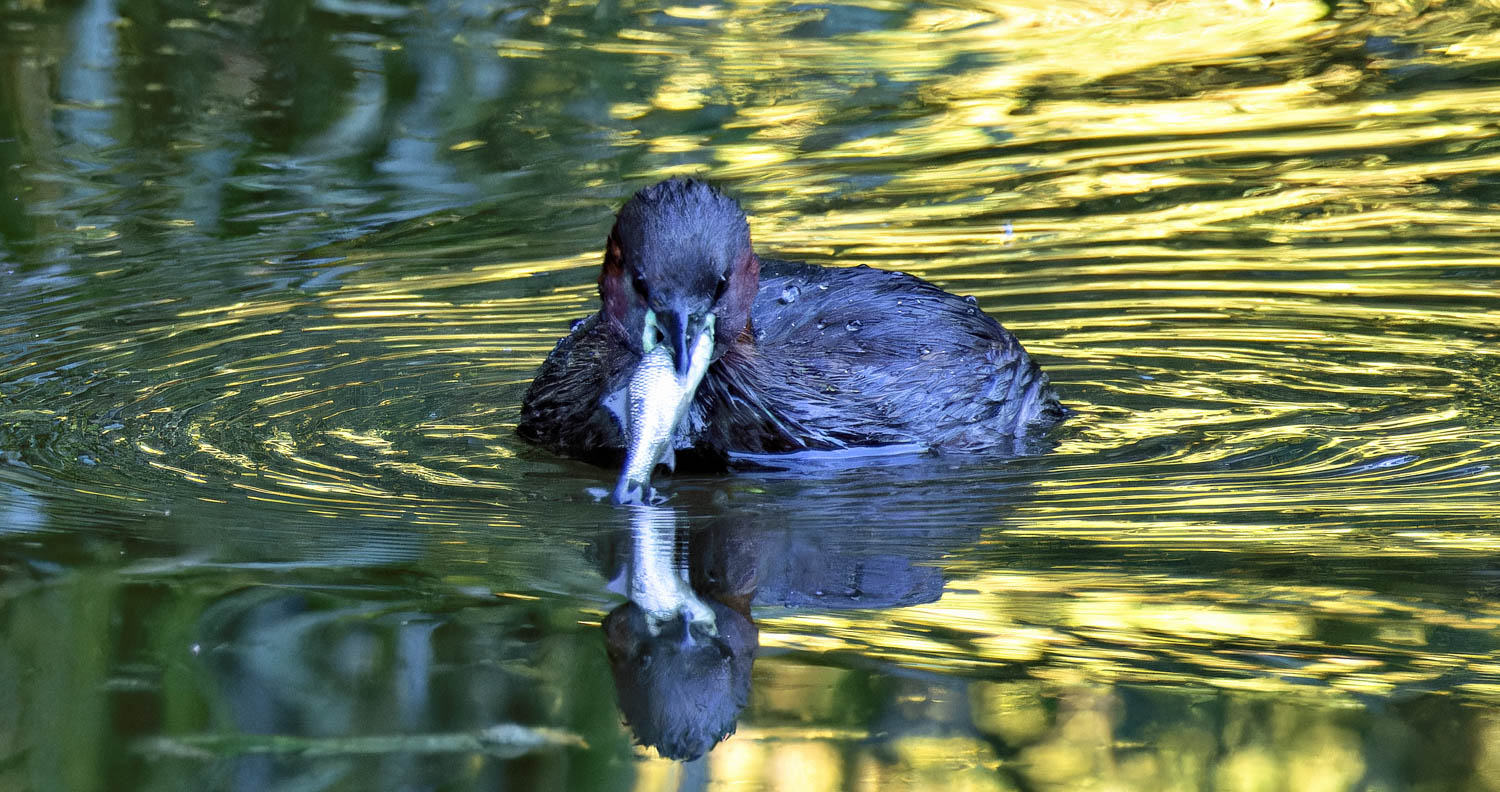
x=805, y=357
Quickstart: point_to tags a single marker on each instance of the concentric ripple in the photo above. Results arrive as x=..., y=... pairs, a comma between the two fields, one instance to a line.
x=1212, y=398
x=363, y=399
x=1259, y=263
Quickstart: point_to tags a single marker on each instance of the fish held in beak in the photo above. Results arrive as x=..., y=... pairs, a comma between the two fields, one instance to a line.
x=656, y=398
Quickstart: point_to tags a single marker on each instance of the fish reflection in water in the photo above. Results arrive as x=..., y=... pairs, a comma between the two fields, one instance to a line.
x=314, y=662
x=680, y=655
x=681, y=648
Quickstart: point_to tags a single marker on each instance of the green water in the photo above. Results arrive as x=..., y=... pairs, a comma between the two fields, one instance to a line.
x=273, y=278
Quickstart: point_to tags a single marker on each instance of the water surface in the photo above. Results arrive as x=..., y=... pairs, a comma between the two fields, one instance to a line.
x=275, y=278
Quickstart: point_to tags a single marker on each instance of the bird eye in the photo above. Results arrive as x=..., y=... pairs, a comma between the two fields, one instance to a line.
x=639, y=284
x=721, y=287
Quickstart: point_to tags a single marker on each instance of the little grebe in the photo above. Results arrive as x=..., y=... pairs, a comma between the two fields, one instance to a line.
x=702, y=346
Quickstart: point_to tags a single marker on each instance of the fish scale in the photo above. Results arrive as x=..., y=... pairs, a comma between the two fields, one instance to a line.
x=656, y=382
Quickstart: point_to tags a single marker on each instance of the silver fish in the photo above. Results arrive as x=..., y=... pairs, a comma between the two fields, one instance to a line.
x=656, y=399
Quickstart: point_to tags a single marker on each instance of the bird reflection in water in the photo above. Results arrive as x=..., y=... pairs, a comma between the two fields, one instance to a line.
x=681, y=647
x=681, y=660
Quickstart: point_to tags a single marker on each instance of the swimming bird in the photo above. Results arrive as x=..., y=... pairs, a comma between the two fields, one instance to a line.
x=701, y=346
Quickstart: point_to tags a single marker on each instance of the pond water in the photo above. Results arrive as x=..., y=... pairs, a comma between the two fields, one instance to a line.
x=274, y=277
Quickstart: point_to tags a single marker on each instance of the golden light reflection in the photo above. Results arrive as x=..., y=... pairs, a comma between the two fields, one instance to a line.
x=1115, y=627
x=1251, y=242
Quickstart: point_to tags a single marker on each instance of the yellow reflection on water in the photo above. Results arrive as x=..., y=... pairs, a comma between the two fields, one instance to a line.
x=1119, y=627
x=1254, y=252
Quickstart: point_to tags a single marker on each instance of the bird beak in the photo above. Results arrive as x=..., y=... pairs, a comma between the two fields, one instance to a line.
x=682, y=330
x=657, y=397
